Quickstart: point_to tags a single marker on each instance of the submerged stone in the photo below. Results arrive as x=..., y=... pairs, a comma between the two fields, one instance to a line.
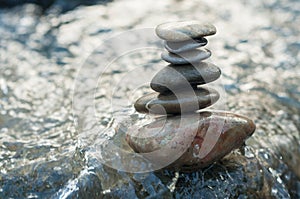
x=185, y=101
x=178, y=77
x=184, y=30
x=191, y=142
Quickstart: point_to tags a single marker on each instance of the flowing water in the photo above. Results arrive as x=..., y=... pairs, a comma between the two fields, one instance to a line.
x=68, y=81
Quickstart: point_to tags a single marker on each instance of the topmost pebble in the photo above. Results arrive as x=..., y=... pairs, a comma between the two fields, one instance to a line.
x=184, y=30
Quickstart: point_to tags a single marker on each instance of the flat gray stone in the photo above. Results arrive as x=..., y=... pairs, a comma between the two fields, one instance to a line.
x=181, y=102
x=180, y=77
x=182, y=46
x=184, y=30
x=191, y=142
x=191, y=56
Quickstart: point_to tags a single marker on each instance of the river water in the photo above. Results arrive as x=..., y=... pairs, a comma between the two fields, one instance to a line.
x=68, y=81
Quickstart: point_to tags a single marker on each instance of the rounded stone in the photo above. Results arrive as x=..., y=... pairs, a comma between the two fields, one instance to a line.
x=191, y=56
x=182, y=46
x=179, y=77
x=180, y=102
x=196, y=140
x=184, y=30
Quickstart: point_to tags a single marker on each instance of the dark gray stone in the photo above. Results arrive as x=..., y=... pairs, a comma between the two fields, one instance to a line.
x=184, y=30
x=177, y=77
x=191, y=56
x=182, y=46
x=181, y=102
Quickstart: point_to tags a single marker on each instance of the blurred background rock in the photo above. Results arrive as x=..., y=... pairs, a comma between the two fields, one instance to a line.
x=61, y=5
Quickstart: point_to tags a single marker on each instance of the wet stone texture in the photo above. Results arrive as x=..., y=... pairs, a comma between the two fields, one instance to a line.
x=195, y=136
x=43, y=153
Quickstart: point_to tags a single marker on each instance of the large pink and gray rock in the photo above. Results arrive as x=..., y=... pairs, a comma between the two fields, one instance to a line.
x=178, y=77
x=191, y=142
x=184, y=30
x=180, y=102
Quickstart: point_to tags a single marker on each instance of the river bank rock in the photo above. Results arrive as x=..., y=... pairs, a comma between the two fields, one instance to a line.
x=200, y=140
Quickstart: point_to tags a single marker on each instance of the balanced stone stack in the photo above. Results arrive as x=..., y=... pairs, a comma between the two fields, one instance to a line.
x=206, y=136
x=176, y=84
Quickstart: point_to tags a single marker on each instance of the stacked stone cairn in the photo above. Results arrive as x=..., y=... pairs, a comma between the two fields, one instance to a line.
x=178, y=96
x=174, y=84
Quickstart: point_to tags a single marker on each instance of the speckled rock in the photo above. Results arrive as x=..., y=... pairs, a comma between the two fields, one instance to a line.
x=184, y=30
x=181, y=102
x=191, y=56
x=201, y=139
x=177, y=77
x=182, y=46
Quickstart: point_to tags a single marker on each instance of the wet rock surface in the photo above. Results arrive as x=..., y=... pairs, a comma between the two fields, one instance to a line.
x=42, y=153
x=199, y=139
